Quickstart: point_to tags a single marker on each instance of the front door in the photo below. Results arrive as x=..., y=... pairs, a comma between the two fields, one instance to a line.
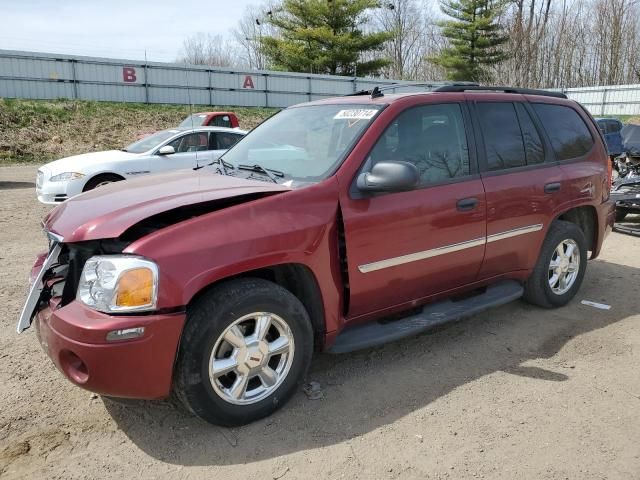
x=191, y=150
x=404, y=246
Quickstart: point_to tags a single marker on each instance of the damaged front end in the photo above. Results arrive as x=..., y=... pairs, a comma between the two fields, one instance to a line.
x=59, y=274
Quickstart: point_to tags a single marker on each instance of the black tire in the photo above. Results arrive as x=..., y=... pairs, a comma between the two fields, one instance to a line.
x=101, y=180
x=537, y=289
x=620, y=214
x=208, y=318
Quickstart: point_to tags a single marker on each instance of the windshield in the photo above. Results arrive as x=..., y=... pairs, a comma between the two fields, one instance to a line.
x=193, y=120
x=152, y=141
x=304, y=143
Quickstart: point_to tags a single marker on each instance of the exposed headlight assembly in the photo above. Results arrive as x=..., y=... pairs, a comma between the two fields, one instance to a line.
x=61, y=177
x=119, y=283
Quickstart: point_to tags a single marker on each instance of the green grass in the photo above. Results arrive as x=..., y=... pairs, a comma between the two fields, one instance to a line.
x=44, y=130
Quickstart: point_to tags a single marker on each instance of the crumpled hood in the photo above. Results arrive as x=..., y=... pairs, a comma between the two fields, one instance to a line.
x=76, y=163
x=108, y=211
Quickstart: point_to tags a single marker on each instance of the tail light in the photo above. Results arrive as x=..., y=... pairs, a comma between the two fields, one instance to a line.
x=610, y=171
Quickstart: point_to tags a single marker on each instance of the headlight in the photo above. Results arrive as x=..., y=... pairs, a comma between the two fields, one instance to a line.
x=119, y=283
x=61, y=177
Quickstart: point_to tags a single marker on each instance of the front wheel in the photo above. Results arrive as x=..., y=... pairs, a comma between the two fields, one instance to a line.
x=245, y=349
x=561, y=266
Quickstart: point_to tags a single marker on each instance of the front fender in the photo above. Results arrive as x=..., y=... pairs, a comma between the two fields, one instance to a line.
x=298, y=226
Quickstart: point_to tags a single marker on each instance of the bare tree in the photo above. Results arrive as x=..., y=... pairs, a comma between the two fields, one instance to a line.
x=207, y=49
x=251, y=27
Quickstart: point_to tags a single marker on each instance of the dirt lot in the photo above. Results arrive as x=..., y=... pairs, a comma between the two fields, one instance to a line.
x=517, y=392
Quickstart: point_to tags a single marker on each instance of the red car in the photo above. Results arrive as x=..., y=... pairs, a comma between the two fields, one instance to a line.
x=204, y=119
x=335, y=225
x=211, y=119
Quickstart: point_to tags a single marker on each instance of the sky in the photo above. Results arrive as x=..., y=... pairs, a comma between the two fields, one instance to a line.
x=113, y=28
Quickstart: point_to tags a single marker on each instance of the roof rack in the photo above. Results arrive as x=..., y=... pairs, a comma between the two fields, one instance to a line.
x=376, y=92
x=482, y=88
x=431, y=86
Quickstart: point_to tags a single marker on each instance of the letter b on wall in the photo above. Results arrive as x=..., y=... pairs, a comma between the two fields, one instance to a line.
x=129, y=74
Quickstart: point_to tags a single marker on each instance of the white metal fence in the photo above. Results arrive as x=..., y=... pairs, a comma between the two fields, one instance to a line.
x=48, y=76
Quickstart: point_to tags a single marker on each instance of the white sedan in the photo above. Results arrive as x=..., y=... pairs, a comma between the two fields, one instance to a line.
x=172, y=149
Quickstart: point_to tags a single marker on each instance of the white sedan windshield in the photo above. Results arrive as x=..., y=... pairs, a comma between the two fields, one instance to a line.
x=304, y=143
x=152, y=141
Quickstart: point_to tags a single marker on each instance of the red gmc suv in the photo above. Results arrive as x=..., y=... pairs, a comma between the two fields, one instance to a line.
x=335, y=225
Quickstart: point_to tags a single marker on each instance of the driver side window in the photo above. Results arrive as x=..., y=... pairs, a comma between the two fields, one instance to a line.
x=192, y=142
x=432, y=137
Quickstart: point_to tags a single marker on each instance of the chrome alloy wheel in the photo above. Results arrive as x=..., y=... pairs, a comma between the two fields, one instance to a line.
x=564, y=266
x=103, y=183
x=251, y=358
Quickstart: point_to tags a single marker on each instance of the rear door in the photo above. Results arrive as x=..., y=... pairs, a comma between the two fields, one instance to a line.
x=404, y=246
x=523, y=184
x=581, y=159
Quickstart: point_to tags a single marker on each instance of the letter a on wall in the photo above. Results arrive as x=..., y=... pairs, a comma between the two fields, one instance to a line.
x=248, y=82
x=129, y=74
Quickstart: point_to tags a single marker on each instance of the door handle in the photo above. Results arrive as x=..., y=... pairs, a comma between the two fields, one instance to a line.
x=466, y=204
x=552, y=187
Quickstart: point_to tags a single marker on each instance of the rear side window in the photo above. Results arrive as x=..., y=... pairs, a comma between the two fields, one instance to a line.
x=432, y=137
x=613, y=126
x=569, y=135
x=220, y=121
x=503, y=140
x=225, y=140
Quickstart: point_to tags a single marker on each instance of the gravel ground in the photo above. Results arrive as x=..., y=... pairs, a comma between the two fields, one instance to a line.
x=517, y=392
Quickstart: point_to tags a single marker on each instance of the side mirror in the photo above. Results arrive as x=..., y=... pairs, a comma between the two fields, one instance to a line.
x=166, y=150
x=389, y=177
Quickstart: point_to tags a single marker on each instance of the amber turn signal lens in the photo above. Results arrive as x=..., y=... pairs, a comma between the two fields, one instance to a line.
x=135, y=288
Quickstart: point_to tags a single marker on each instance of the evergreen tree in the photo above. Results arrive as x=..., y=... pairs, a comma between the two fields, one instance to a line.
x=324, y=36
x=475, y=39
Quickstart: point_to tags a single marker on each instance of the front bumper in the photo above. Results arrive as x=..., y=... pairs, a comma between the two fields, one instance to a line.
x=74, y=337
x=57, y=192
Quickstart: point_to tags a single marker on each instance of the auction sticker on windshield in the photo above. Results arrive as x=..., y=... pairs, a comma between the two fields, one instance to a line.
x=355, y=114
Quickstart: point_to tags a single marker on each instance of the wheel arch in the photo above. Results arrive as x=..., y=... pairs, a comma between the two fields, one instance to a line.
x=586, y=218
x=101, y=174
x=298, y=279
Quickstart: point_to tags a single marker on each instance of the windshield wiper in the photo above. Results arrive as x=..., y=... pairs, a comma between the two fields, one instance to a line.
x=269, y=172
x=220, y=162
x=124, y=150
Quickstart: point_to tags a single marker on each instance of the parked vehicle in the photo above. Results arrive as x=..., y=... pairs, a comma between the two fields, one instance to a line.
x=163, y=151
x=626, y=193
x=211, y=119
x=335, y=225
x=611, y=130
x=628, y=165
x=204, y=119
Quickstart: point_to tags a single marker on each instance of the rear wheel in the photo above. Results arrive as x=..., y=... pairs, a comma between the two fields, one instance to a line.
x=560, y=269
x=244, y=351
x=101, y=180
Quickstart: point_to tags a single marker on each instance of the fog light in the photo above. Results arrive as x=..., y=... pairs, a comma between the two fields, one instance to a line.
x=126, y=334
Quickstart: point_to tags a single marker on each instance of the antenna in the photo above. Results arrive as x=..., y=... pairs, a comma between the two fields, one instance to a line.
x=193, y=128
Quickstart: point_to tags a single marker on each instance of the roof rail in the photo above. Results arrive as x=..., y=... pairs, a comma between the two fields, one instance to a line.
x=456, y=87
x=480, y=89
x=430, y=86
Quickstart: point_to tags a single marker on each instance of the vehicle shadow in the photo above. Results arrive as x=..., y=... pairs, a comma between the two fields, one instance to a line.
x=6, y=185
x=372, y=388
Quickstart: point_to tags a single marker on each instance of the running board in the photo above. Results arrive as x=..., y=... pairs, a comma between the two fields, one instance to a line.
x=375, y=333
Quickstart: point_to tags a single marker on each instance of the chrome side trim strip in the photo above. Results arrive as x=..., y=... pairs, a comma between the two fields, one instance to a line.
x=414, y=257
x=513, y=233
x=434, y=252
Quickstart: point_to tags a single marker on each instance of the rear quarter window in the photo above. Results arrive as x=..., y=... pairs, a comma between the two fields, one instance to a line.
x=570, y=137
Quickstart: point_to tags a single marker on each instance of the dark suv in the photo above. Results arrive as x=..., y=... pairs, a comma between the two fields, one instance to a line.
x=335, y=225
